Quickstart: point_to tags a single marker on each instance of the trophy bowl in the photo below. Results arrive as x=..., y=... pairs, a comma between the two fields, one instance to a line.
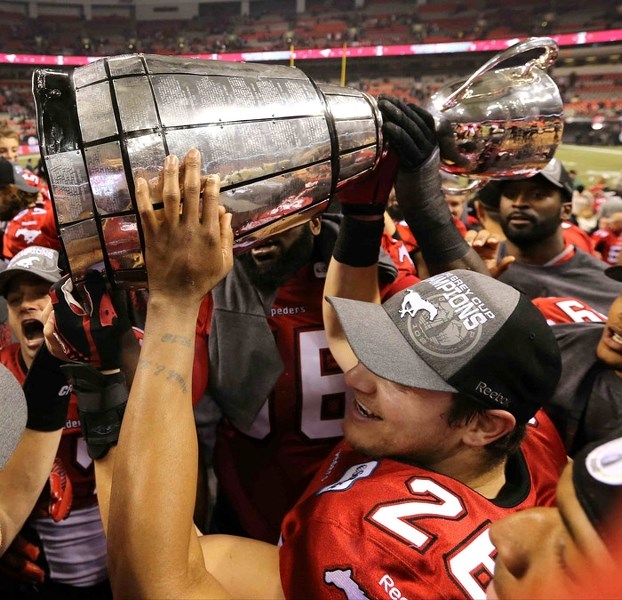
x=501, y=122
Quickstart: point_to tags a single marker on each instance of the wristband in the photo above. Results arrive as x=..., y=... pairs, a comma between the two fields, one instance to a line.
x=358, y=242
x=47, y=393
x=101, y=404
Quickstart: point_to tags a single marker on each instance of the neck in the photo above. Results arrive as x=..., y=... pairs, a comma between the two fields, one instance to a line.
x=540, y=253
x=473, y=468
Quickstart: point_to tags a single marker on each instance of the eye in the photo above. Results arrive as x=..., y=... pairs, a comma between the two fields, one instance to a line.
x=13, y=300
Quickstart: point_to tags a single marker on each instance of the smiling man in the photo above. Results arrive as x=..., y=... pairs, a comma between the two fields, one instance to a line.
x=532, y=211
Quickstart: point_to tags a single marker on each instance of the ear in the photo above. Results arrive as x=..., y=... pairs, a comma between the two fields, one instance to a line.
x=488, y=426
x=566, y=210
x=315, y=225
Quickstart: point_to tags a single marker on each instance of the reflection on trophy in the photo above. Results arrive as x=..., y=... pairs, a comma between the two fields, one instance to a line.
x=281, y=144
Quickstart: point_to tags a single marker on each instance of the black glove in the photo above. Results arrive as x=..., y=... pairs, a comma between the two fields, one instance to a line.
x=410, y=131
x=91, y=331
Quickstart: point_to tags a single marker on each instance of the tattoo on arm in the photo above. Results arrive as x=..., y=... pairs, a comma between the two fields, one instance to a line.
x=171, y=338
x=171, y=375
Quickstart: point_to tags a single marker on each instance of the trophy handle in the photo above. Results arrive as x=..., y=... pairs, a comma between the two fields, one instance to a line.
x=544, y=61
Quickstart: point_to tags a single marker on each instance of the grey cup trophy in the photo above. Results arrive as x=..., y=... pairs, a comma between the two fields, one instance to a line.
x=281, y=143
x=501, y=122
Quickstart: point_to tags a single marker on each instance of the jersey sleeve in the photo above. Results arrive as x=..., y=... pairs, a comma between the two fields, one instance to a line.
x=200, y=368
x=557, y=309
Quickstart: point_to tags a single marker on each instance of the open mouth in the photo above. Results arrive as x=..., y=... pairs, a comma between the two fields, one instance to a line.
x=33, y=331
x=365, y=412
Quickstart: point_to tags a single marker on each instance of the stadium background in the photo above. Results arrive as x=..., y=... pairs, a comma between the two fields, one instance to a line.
x=408, y=49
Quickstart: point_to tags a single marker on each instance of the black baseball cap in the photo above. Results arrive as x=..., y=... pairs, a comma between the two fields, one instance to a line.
x=597, y=480
x=459, y=331
x=12, y=174
x=554, y=172
x=36, y=260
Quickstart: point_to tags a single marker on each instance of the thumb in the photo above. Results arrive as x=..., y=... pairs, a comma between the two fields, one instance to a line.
x=502, y=266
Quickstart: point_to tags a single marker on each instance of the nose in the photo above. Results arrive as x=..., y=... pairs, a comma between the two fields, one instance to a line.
x=360, y=378
x=520, y=200
x=521, y=537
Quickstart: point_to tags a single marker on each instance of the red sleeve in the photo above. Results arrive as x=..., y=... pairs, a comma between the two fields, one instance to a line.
x=567, y=310
x=577, y=237
x=199, y=373
x=406, y=274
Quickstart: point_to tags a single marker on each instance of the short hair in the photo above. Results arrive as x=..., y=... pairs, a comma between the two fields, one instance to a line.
x=8, y=132
x=464, y=409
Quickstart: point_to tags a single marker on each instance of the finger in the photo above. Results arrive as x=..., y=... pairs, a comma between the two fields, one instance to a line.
x=424, y=115
x=211, y=196
x=502, y=266
x=192, y=186
x=171, y=193
x=145, y=208
x=226, y=238
x=470, y=236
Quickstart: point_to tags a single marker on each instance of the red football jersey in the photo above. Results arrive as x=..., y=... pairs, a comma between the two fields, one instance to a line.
x=72, y=448
x=25, y=229
x=406, y=235
x=608, y=244
x=573, y=234
x=567, y=310
x=370, y=528
x=264, y=470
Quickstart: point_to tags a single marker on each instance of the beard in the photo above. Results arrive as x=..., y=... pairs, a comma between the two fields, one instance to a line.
x=536, y=232
x=272, y=273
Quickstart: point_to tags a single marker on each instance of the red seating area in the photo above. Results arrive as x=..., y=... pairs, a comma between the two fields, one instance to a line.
x=220, y=27
x=325, y=23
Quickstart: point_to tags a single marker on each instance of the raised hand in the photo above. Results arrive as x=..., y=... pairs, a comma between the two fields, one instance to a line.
x=189, y=243
x=410, y=131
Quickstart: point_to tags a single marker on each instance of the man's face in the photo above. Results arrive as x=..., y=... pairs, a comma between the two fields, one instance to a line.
x=609, y=349
x=547, y=552
x=27, y=296
x=531, y=211
x=9, y=148
x=270, y=264
x=388, y=419
x=456, y=205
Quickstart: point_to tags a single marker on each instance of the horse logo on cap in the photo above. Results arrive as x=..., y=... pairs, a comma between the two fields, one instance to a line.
x=413, y=303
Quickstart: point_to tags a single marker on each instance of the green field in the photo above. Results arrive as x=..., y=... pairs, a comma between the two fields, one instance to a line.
x=591, y=161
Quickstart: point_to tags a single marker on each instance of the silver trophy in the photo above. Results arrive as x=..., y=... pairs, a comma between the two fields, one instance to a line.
x=281, y=144
x=501, y=122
